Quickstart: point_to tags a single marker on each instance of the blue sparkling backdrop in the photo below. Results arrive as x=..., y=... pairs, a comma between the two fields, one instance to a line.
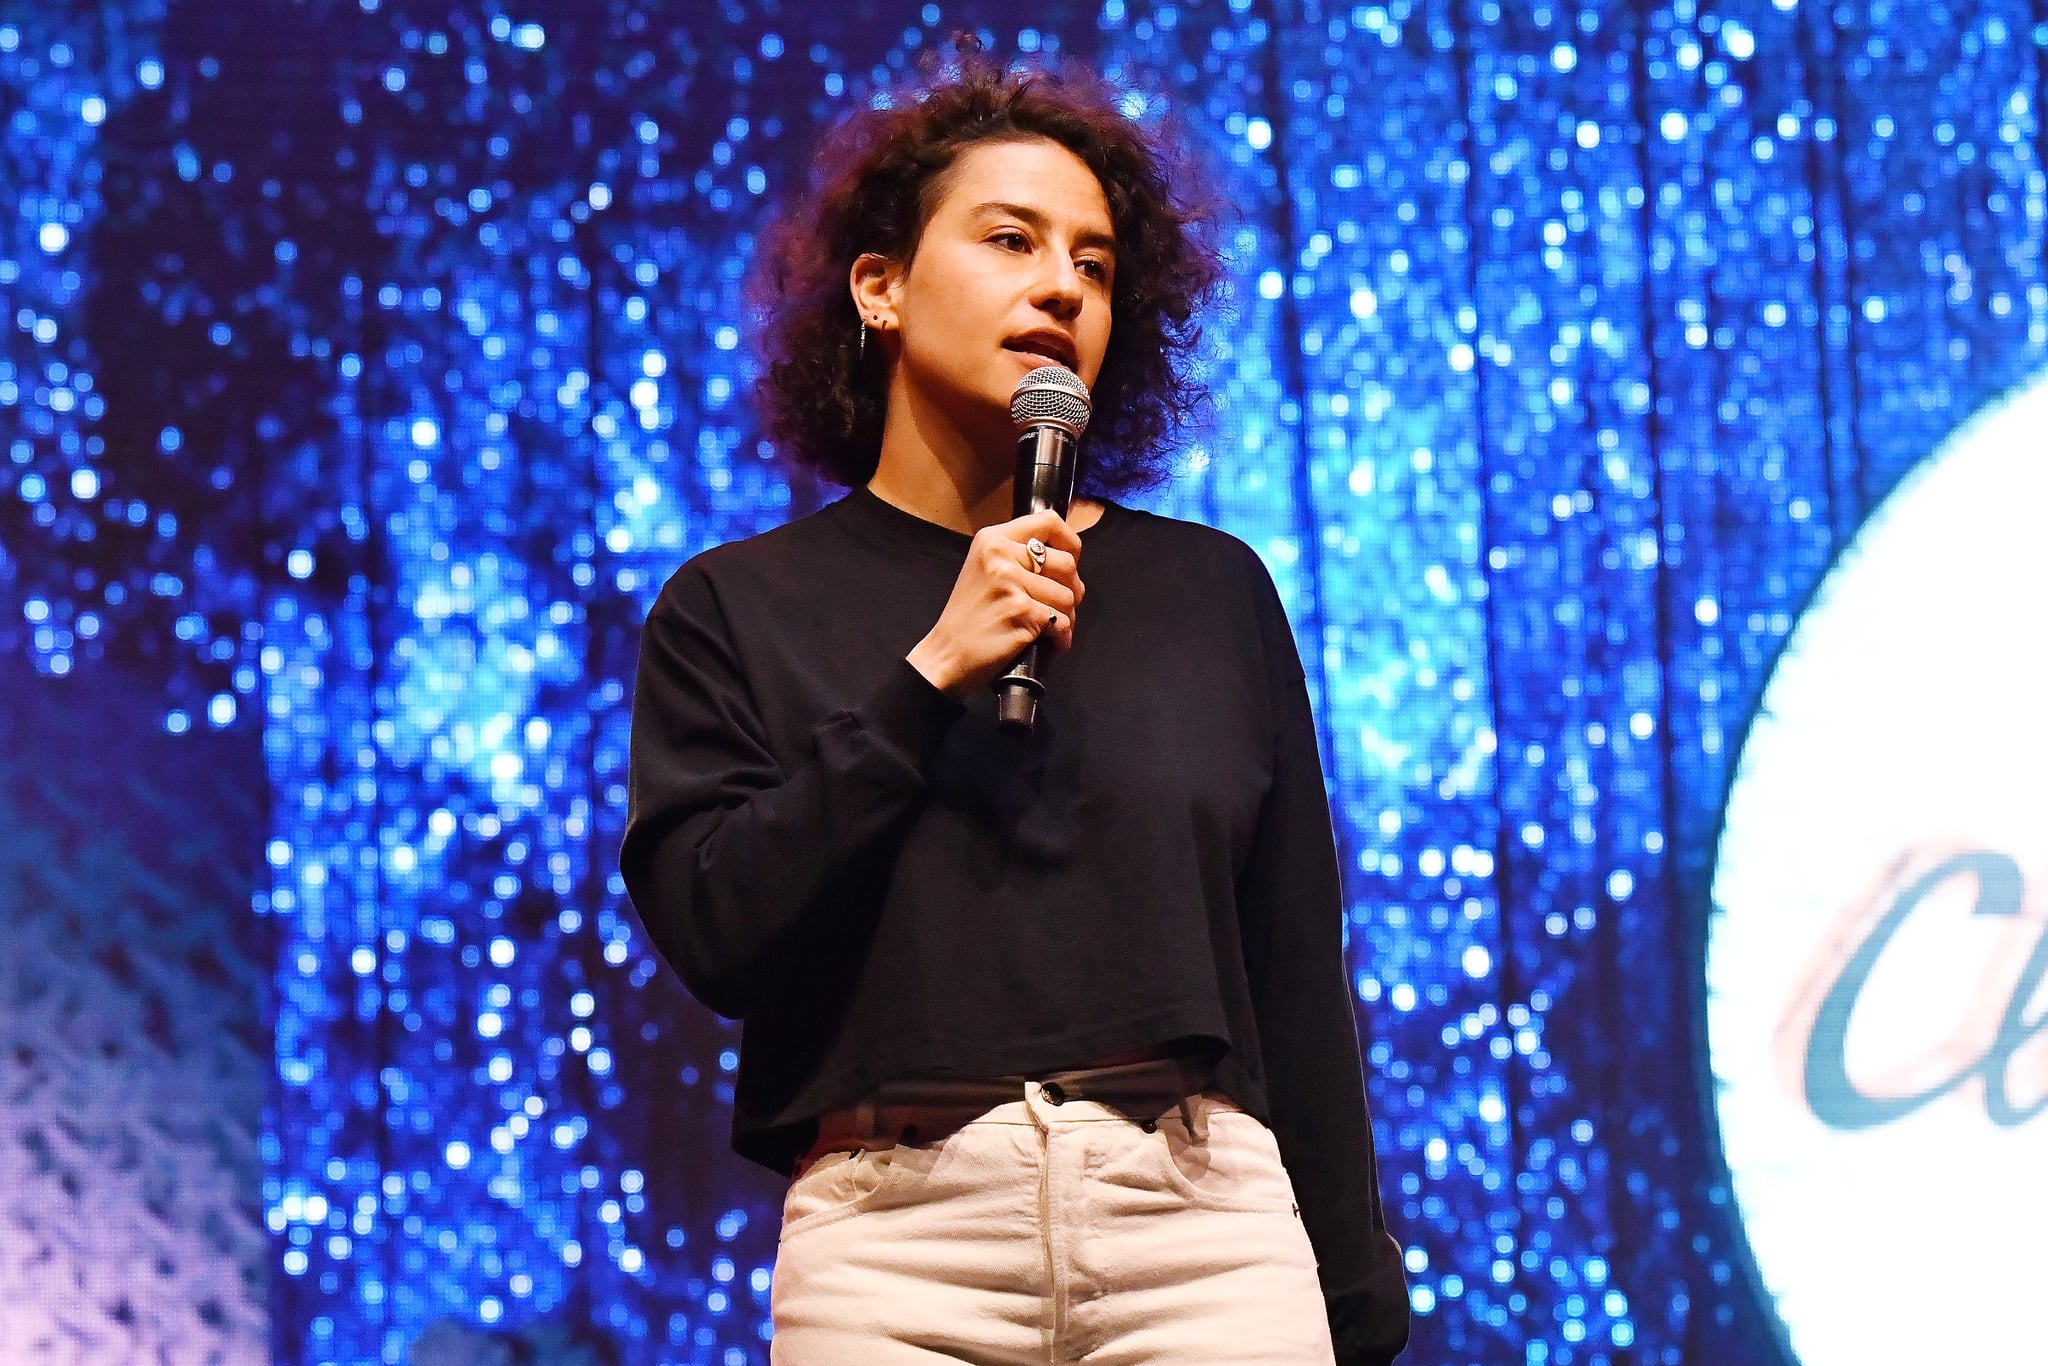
x=368, y=364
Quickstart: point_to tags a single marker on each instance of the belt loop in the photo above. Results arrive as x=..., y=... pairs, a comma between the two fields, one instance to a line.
x=1187, y=1118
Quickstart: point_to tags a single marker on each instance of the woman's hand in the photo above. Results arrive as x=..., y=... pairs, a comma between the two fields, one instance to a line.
x=1001, y=603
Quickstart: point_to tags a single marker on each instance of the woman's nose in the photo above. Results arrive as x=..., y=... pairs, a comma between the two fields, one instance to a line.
x=1060, y=290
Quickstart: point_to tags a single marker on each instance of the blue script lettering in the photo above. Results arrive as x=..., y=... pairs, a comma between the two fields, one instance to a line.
x=1835, y=1097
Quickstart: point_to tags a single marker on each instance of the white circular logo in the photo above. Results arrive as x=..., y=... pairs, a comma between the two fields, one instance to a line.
x=1877, y=954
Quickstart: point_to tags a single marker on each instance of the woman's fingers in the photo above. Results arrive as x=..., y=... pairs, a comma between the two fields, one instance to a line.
x=1005, y=597
x=1041, y=622
x=1061, y=565
x=1047, y=526
x=1052, y=588
x=1045, y=591
x=1056, y=579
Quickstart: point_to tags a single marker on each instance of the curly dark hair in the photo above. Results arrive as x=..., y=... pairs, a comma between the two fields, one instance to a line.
x=881, y=175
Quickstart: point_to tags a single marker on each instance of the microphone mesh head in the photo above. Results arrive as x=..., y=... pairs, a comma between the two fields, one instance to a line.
x=1051, y=393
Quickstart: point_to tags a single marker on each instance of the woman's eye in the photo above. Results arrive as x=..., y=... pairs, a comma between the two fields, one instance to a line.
x=1011, y=240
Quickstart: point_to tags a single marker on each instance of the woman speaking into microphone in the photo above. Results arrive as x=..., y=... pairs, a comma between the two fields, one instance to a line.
x=1051, y=1026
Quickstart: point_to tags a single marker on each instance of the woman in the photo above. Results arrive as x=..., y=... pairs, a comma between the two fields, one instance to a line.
x=1052, y=1030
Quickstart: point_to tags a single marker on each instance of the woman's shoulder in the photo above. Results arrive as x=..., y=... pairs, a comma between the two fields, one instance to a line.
x=1182, y=541
x=800, y=552
x=1183, y=558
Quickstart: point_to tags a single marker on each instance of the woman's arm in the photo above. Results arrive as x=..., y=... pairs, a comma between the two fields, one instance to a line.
x=728, y=853
x=1291, y=907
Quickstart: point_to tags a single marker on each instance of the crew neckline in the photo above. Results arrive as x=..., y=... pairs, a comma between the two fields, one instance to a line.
x=901, y=527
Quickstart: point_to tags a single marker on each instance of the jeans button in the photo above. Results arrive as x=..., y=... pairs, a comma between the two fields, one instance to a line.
x=1054, y=1093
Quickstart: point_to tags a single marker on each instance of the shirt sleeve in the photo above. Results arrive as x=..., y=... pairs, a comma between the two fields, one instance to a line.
x=729, y=854
x=1290, y=903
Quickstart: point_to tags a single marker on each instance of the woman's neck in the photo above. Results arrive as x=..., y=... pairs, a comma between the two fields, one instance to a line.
x=953, y=485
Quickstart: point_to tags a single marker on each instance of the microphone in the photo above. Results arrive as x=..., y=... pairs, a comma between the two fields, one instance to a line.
x=1051, y=410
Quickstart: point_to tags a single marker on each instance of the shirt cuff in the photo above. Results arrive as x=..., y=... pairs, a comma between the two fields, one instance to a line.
x=906, y=711
x=1369, y=1324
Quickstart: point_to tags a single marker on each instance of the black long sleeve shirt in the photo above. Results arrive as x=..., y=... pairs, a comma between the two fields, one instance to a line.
x=881, y=882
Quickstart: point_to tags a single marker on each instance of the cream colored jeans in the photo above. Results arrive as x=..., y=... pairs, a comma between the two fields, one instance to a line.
x=1045, y=1233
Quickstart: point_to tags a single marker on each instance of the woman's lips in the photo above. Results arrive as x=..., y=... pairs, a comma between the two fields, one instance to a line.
x=1038, y=357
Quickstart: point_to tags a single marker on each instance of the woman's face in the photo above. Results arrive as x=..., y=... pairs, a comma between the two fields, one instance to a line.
x=1014, y=271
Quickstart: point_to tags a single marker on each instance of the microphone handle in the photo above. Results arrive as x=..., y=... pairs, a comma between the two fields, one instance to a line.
x=1046, y=465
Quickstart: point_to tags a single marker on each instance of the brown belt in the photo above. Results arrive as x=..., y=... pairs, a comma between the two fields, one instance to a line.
x=920, y=1109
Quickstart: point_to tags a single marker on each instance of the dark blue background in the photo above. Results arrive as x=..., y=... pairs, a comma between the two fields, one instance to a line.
x=366, y=367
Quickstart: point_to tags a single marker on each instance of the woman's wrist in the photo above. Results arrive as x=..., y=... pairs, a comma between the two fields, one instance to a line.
x=931, y=660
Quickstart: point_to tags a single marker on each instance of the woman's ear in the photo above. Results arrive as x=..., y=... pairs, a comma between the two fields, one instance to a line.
x=876, y=282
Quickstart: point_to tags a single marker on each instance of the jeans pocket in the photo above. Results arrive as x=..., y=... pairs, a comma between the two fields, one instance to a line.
x=834, y=1187
x=1234, y=1164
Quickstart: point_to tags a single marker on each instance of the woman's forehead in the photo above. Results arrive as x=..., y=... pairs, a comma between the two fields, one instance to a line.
x=1038, y=175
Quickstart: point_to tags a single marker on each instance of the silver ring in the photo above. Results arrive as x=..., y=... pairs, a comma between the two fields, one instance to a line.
x=1036, y=548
